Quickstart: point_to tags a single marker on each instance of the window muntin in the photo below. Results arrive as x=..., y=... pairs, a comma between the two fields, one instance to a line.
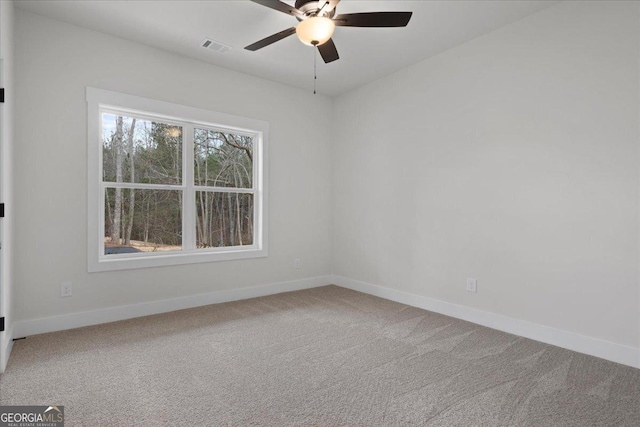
x=186, y=190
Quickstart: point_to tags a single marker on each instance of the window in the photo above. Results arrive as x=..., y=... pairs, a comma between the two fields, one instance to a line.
x=170, y=184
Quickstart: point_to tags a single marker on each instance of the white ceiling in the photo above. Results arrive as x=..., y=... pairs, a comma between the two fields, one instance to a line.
x=366, y=54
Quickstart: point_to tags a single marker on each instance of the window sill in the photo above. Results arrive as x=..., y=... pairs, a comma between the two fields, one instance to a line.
x=114, y=263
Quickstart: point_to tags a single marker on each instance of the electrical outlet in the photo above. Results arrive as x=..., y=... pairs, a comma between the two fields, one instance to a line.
x=472, y=285
x=65, y=289
x=297, y=264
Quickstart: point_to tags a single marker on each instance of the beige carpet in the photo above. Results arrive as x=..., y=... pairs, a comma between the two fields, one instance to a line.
x=321, y=357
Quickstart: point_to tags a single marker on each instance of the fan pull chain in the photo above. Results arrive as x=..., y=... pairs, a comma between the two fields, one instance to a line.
x=315, y=69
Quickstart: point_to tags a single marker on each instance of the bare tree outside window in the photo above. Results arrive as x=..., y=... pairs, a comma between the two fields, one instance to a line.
x=138, y=152
x=141, y=152
x=223, y=160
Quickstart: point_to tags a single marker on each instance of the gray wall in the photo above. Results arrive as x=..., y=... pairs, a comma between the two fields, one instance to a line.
x=56, y=61
x=512, y=159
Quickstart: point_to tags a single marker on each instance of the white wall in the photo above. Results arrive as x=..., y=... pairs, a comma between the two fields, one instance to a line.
x=7, y=301
x=513, y=158
x=55, y=62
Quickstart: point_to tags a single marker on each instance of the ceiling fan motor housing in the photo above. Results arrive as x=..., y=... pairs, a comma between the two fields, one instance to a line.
x=312, y=7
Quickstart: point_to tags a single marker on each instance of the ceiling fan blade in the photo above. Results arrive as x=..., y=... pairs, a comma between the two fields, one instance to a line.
x=280, y=7
x=271, y=39
x=328, y=6
x=373, y=19
x=328, y=51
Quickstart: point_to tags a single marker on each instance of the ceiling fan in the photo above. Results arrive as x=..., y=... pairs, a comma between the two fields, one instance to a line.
x=318, y=20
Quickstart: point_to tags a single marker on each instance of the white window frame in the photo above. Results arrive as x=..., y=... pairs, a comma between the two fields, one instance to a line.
x=99, y=100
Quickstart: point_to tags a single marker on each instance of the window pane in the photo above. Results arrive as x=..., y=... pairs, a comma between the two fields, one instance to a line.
x=224, y=219
x=142, y=221
x=223, y=159
x=141, y=151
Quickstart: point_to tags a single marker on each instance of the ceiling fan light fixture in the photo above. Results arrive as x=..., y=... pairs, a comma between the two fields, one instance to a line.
x=315, y=31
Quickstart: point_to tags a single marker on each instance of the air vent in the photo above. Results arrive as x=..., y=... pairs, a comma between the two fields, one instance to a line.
x=215, y=46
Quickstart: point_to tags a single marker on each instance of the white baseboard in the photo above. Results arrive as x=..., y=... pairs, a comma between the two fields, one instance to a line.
x=8, y=346
x=618, y=353
x=87, y=318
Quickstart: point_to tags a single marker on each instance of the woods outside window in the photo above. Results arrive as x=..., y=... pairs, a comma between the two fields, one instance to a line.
x=170, y=184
